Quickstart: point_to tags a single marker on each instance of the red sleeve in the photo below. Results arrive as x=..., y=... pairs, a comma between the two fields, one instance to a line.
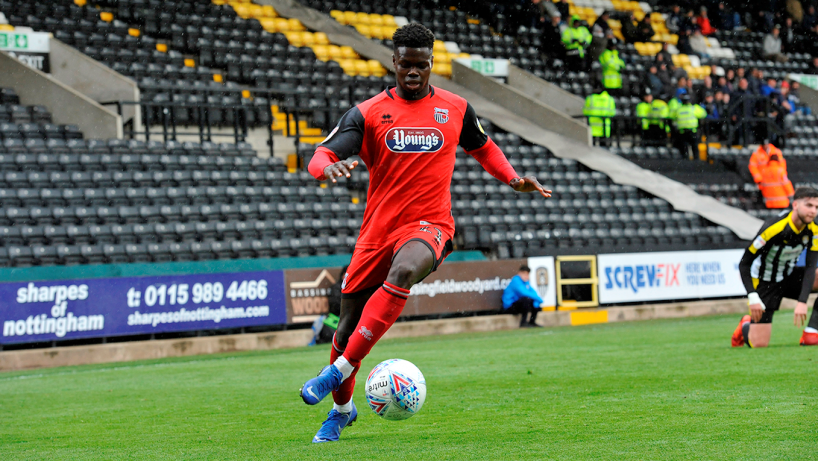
x=494, y=161
x=323, y=158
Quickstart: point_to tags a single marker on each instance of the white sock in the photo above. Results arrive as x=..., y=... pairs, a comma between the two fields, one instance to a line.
x=345, y=408
x=344, y=367
x=810, y=330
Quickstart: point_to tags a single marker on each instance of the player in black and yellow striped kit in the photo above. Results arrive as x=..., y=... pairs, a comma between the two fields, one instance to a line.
x=769, y=273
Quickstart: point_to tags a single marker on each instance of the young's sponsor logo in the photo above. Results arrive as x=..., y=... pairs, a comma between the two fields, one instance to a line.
x=414, y=140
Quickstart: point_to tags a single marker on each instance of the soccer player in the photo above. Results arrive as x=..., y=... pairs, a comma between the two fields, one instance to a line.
x=408, y=136
x=769, y=273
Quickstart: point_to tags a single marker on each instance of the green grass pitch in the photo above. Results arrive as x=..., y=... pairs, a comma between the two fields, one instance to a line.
x=671, y=389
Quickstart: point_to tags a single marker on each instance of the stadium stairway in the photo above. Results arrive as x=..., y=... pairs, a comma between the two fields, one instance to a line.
x=620, y=170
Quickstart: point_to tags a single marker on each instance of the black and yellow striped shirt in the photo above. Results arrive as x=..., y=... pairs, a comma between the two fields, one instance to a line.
x=773, y=254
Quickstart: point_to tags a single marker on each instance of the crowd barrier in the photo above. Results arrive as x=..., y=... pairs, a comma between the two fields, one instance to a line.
x=56, y=304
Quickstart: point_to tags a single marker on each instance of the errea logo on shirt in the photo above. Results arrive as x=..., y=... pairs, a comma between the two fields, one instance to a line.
x=414, y=140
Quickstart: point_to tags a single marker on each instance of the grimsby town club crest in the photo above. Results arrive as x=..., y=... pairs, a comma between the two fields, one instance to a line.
x=441, y=115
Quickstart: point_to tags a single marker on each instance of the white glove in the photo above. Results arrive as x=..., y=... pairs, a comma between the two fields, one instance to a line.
x=754, y=298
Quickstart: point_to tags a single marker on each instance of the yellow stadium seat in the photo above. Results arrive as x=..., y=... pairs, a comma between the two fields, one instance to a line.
x=374, y=65
x=294, y=38
x=307, y=39
x=363, y=29
x=348, y=65
x=389, y=31
x=334, y=52
x=463, y=55
x=348, y=53
x=442, y=69
x=321, y=38
x=281, y=25
x=376, y=32
x=375, y=19
x=335, y=14
x=362, y=68
x=388, y=20
x=295, y=24
x=439, y=47
x=443, y=57
x=6, y=27
x=268, y=24
x=361, y=18
x=349, y=17
x=267, y=11
x=321, y=52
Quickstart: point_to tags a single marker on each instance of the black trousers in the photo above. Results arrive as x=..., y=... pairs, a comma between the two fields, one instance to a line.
x=687, y=141
x=526, y=308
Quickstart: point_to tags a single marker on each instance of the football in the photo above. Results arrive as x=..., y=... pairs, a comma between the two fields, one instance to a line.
x=395, y=389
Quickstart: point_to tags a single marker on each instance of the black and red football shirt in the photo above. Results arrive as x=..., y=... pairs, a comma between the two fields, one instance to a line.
x=409, y=148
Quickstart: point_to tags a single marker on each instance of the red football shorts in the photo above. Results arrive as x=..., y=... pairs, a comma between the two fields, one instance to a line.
x=369, y=267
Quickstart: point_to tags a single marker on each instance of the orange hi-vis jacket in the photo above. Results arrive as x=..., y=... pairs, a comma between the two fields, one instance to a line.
x=760, y=158
x=775, y=186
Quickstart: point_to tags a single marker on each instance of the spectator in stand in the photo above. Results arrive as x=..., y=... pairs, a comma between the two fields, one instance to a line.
x=520, y=298
x=704, y=23
x=674, y=20
x=727, y=18
x=810, y=19
x=601, y=27
x=755, y=80
x=563, y=8
x=783, y=99
x=740, y=74
x=771, y=48
x=538, y=12
x=689, y=21
x=795, y=97
x=724, y=85
x=552, y=39
x=709, y=104
x=602, y=37
x=813, y=68
x=743, y=108
x=770, y=87
x=653, y=82
x=646, y=31
x=705, y=88
x=763, y=22
x=630, y=31
x=699, y=44
x=723, y=103
x=788, y=36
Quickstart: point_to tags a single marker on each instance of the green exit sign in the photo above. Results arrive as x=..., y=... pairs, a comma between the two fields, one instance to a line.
x=14, y=41
x=34, y=42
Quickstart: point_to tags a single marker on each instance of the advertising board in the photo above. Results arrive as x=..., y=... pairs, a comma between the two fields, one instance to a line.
x=71, y=309
x=636, y=277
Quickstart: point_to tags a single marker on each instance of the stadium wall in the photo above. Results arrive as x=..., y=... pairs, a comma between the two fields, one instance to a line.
x=95, y=80
x=148, y=350
x=66, y=105
x=545, y=92
x=523, y=103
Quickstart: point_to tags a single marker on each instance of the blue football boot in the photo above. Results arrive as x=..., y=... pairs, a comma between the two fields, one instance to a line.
x=336, y=422
x=319, y=387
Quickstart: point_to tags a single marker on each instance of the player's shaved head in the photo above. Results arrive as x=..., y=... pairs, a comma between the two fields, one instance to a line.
x=412, y=59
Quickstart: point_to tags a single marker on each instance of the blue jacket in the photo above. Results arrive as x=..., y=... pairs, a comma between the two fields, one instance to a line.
x=518, y=289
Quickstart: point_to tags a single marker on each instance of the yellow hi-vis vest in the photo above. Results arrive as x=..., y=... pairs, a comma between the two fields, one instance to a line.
x=598, y=106
x=688, y=115
x=611, y=67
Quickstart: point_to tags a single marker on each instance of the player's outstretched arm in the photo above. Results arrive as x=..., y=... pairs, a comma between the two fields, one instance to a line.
x=529, y=184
